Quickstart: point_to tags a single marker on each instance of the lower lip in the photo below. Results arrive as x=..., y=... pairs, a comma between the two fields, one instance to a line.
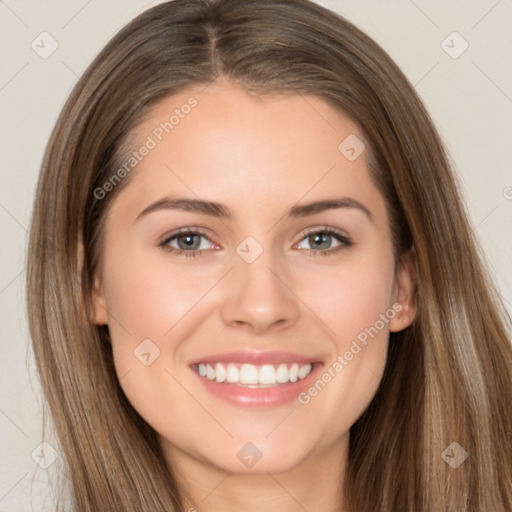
x=259, y=397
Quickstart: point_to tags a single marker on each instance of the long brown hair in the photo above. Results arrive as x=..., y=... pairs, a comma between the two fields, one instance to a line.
x=448, y=376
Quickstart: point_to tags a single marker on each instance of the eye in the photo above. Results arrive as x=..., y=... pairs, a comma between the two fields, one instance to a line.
x=187, y=242
x=320, y=241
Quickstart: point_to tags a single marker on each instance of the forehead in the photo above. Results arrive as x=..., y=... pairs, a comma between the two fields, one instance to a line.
x=224, y=143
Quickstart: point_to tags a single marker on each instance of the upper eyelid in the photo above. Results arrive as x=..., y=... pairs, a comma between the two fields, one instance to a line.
x=185, y=231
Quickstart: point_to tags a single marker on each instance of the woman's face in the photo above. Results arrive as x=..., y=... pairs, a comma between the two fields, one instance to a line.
x=256, y=341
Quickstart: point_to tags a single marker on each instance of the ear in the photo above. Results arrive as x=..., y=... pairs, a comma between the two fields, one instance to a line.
x=404, y=292
x=99, y=303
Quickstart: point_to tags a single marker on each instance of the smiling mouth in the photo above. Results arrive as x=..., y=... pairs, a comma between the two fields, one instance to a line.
x=254, y=376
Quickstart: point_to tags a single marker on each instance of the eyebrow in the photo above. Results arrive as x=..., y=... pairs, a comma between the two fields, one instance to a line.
x=219, y=210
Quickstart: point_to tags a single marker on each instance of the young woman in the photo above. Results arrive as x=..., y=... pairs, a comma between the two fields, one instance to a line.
x=252, y=283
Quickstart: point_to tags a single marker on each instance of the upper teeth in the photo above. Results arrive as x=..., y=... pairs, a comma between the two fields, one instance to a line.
x=253, y=375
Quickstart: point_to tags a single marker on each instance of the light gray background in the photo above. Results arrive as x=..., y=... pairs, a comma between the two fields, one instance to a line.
x=470, y=99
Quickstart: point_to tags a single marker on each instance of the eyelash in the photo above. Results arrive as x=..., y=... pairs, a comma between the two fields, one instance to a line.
x=344, y=240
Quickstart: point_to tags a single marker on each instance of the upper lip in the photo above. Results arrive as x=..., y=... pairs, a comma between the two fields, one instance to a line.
x=273, y=357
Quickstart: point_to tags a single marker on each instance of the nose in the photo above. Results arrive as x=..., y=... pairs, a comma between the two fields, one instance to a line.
x=259, y=296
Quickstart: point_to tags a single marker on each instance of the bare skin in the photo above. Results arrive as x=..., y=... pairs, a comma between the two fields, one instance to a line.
x=258, y=156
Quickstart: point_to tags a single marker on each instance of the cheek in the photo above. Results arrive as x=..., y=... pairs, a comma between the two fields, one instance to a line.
x=145, y=302
x=151, y=305
x=353, y=304
x=148, y=297
x=350, y=297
